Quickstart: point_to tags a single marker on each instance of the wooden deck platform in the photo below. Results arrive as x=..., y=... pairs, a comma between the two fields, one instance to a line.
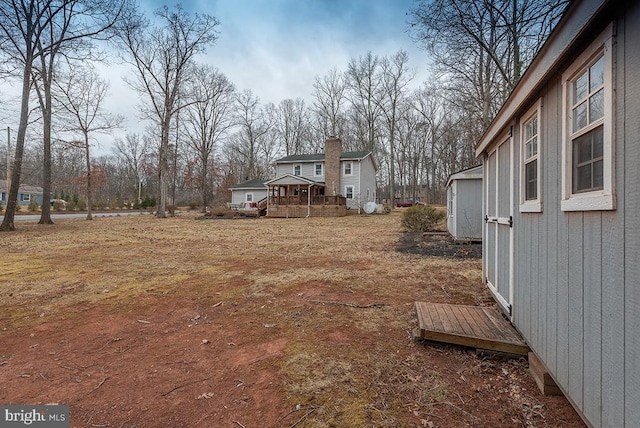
x=474, y=326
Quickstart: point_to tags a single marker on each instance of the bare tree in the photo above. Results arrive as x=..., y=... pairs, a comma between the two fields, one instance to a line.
x=253, y=132
x=362, y=84
x=209, y=117
x=32, y=34
x=133, y=151
x=483, y=46
x=394, y=78
x=162, y=56
x=291, y=123
x=329, y=100
x=81, y=93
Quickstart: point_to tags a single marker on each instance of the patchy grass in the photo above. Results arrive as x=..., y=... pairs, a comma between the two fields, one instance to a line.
x=245, y=322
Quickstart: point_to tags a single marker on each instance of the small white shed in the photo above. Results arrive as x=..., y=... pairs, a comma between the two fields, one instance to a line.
x=464, y=204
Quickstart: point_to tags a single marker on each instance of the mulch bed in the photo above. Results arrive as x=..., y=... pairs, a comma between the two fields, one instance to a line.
x=439, y=244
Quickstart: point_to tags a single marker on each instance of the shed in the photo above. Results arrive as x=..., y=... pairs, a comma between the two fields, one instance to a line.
x=464, y=204
x=561, y=247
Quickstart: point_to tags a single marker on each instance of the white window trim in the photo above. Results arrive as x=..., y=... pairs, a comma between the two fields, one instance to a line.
x=353, y=191
x=294, y=169
x=597, y=200
x=534, y=205
x=25, y=197
x=315, y=170
x=248, y=197
x=344, y=169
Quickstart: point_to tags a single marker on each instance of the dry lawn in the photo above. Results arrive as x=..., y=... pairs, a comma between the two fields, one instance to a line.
x=179, y=322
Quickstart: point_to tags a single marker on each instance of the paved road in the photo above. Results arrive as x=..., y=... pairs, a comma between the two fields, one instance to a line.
x=36, y=217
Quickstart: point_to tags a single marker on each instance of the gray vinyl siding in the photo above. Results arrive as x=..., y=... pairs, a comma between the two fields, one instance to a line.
x=465, y=220
x=363, y=177
x=577, y=274
x=307, y=170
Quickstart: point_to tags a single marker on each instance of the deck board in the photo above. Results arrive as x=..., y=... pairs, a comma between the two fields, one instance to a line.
x=474, y=326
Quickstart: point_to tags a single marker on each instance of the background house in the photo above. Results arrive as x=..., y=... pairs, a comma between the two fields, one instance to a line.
x=323, y=184
x=464, y=204
x=26, y=194
x=562, y=199
x=350, y=174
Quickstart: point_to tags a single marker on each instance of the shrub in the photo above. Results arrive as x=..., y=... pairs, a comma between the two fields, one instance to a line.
x=1, y=206
x=58, y=205
x=82, y=204
x=33, y=205
x=421, y=218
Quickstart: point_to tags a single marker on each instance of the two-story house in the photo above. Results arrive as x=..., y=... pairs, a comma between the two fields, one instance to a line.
x=313, y=185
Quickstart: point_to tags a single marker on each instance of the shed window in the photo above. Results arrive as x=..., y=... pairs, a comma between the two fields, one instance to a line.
x=588, y=140
x=530, y=134
x=297, y=170
x=249, y=197
x=25, y=197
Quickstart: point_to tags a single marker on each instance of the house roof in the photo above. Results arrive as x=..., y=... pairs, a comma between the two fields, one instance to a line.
x=24, y=188
x=289, y=179
x=319, y=157
x=250, y=184
x=473, y=173
x=562, y=40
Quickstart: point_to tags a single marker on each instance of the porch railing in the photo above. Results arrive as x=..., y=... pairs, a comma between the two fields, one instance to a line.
x=302, y=200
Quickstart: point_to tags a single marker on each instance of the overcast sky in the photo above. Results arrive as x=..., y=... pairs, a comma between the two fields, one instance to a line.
x=276, y=48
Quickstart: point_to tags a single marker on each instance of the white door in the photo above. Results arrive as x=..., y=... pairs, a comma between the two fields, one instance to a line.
x=498, y=260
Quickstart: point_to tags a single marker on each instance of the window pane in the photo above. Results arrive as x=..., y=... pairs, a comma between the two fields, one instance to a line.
x=582, y=178
x=588, y=161
x=596, y=106
x=531, y=179
x=582, y=149
x=580, y=117
x=598, y=143
x=596, y=75
x=580, y=88
x=598, y=176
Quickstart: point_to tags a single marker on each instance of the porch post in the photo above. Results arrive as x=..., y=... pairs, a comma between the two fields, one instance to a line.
x=309, y=201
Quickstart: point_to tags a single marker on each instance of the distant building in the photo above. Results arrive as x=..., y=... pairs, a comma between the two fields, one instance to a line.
x=26, y=194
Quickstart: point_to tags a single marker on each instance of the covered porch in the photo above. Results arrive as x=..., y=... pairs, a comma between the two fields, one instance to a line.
x=294, y=196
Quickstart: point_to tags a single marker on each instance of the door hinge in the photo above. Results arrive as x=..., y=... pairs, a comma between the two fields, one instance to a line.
x=510, y=221
x=486, y=219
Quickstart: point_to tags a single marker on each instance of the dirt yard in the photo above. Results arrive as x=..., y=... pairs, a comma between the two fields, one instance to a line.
x=179, y=322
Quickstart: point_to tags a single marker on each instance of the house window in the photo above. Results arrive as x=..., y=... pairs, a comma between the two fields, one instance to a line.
x=4, y=197
x=348, y=168
x=318, y=170
x=530, y=127
x=249, y=197
x=25, y=197
x=297, y=170
x=348, y=190
x=588, y=129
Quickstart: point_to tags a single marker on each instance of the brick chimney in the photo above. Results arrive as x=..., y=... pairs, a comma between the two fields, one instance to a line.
x=332, y=152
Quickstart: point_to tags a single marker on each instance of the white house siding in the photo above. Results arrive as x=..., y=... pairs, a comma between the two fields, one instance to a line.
x=239, y=196
x=577, y=274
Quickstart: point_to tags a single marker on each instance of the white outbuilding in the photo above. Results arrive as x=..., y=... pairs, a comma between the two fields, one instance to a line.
x=464, y=204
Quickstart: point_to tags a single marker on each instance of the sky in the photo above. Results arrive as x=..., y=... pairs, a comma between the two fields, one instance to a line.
x=276, y=48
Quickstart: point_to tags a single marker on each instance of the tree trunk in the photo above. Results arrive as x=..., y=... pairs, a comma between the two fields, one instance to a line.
x=12, y=194
x=89, y=189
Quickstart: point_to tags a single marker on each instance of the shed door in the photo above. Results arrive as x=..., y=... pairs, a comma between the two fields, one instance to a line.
x=499, y=224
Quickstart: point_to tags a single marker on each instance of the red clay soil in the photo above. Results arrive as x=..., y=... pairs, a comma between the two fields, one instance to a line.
x=200, y=358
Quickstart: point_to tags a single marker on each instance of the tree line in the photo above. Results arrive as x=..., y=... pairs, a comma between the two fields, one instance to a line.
x=205, y=135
